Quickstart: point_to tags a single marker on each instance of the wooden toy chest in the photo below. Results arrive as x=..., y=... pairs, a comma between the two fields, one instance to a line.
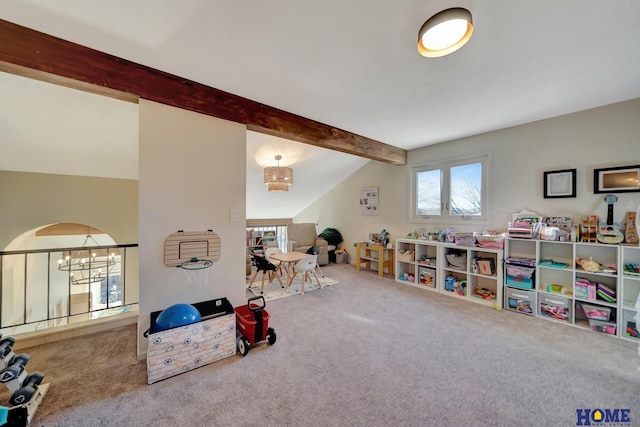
x=177, y=350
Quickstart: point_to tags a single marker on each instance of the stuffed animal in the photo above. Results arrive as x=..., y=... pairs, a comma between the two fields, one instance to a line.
x=588, y=265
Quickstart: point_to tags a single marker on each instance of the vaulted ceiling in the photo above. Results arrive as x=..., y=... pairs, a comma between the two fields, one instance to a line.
x=354, y=65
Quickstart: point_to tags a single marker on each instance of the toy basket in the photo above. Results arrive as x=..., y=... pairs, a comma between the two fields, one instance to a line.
x=457, y=259
x=490, y=241
x=406, y=257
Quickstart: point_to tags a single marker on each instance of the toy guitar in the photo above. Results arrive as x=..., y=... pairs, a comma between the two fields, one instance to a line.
x=609, y=232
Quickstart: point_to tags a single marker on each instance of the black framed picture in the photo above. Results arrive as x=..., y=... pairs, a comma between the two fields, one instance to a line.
x=622, y=179
x=560, y=183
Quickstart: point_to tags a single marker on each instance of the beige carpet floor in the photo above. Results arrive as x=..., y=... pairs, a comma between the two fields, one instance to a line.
x=368, y=352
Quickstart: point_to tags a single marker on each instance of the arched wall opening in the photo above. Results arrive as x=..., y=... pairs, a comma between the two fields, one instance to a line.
x=58, y=274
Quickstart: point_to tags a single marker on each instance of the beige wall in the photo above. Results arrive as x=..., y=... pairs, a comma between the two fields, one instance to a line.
x=601, y=137
x=30, y=200
x=192, y=173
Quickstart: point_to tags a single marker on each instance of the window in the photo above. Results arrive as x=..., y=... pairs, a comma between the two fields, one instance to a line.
x=450, y=192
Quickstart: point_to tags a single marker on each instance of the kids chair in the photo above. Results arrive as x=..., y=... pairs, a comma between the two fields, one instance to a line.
x=305, y=266
x=272, y=251
x=262, y=264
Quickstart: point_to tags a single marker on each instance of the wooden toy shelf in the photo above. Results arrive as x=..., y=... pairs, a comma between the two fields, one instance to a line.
x=374, y=256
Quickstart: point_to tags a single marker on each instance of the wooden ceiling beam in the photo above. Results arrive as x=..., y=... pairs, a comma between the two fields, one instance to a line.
x=68, y=229
x=24, y=48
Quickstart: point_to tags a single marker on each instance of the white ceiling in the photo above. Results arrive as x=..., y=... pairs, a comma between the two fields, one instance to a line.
x=354, y=65
x=48, y=128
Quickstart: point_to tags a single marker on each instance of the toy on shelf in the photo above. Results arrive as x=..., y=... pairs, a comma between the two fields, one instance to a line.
x=525, y=225
x=483, y=293
x=609, y=232
x=591, y=266
x=453, y=284
x=585, y=289
x=632, y=268
x=409, y=277
x=559, y=313
x=606, y=293
x=548, y=262
x=588, y=265
x=630, y=230
x=589, y=228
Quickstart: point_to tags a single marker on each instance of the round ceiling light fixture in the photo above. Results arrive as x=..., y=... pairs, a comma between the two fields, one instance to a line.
x=445, y=32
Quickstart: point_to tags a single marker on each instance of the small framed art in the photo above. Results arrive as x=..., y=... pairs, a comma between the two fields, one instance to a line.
x=560, y=183
x=623, y=179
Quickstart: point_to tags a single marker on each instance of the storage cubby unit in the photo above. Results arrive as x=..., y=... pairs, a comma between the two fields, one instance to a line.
x=468, y=273
x=601, y=298
x=405, y=262
x=630, y=293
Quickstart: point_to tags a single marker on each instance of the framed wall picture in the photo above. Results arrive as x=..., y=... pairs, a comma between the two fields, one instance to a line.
x=560, y=183
x=623, y=179
x=369, y=201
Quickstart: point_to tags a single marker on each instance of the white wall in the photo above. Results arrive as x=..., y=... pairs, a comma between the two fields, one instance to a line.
x=32, y=200
x=191, y=174
x=602, y=137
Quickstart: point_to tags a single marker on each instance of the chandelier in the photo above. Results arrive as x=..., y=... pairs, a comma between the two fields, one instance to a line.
x=90, y=265
x=277, y=178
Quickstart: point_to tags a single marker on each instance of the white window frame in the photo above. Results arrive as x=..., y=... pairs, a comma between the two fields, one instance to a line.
x=445, y=172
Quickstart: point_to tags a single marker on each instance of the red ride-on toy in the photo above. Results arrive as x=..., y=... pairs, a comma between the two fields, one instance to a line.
x=253, y=325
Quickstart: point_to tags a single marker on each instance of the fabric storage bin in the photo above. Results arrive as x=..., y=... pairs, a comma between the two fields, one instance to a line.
x=342, y=258
x=554, y=307
x=456, y=259
x=520, y=301
x=181, y=349
x=519, y=282
x=427, y=277
x=490, y=241
x=465, y=239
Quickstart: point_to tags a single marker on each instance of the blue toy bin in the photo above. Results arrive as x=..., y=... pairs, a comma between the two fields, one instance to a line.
x=179, y=315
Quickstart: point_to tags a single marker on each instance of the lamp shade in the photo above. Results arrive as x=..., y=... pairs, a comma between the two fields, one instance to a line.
x=278, y=178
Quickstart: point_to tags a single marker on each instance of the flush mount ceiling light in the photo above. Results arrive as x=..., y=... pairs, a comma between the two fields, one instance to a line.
x=278, y=179
x=445, y=32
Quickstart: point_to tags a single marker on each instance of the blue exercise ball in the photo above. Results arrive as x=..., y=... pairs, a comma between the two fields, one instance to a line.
x=177, y=315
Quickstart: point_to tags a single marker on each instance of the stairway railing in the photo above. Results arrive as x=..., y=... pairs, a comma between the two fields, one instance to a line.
x=36, y=293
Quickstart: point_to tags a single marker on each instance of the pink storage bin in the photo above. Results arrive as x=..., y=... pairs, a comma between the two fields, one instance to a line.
x=605, y=327
x=596, y=312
